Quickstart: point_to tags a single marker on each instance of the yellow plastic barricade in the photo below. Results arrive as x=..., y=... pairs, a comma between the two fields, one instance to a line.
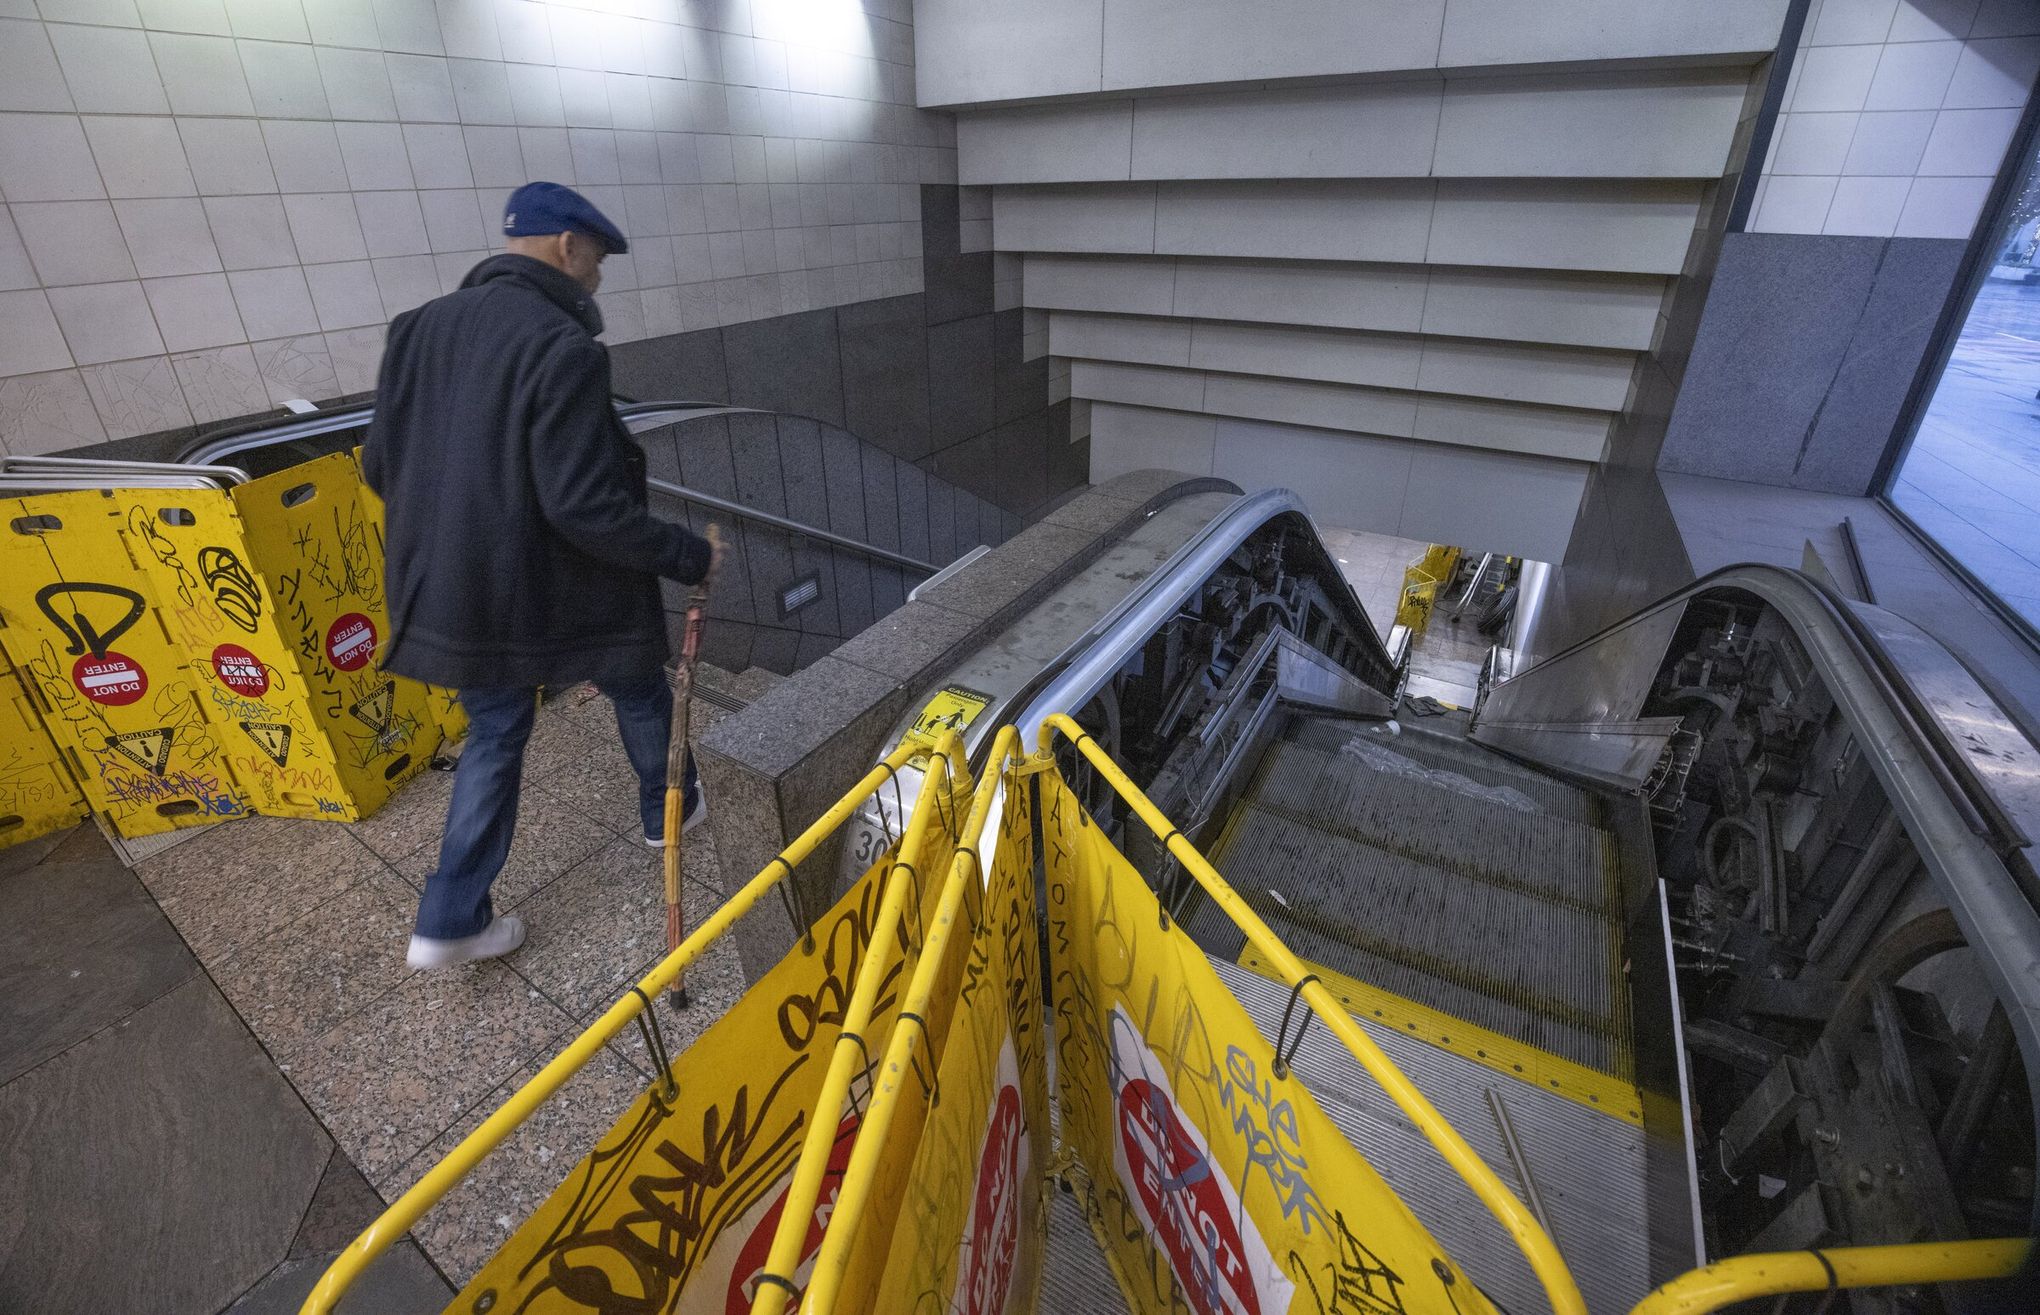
x=201, y=654
x=37, y=794
x=1212, y=1181
x=676, y=1207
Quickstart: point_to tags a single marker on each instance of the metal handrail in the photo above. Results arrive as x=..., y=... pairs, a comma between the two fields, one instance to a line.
x=88, y=466
x=797, y=1208
x=394, y=1222
x=777, y=522
x=1536, y=1244
x=832, y=1262
x=1772, y=1274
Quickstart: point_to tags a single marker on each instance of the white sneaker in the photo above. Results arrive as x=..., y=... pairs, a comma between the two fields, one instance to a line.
x=687, y=823
x=500, y=937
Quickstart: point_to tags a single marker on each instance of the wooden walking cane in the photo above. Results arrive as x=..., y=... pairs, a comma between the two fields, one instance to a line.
x=676, y=780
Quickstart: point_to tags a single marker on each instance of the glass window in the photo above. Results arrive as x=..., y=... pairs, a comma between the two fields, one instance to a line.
x=1971, y=478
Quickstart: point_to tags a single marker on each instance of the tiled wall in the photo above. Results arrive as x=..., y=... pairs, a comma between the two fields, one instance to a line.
x=1897, y=116
x=210, y=206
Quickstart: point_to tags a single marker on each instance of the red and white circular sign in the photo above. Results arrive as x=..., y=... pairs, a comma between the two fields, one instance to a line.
x=115, y=679
x=240, y=671
x=994, y=1236
x=350, y=642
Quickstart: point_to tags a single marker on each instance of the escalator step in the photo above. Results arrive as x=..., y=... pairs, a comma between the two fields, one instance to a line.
x=1543, y=957
x=1440, y=750
x=1371, y=794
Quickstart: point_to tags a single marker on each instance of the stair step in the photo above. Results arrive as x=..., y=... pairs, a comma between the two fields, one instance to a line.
x=1454, y=753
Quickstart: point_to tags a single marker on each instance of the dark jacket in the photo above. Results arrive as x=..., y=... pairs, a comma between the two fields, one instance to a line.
x=518, y=547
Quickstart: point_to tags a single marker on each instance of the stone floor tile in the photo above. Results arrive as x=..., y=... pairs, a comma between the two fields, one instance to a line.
x=295, y=984
x=412, y=818
x=602, y=790
x=395, y=1074
x=590, y=932
x=713, y=984
x=160, y=1165
x=27, y=853
x=226, y=842
x=551, y=837
x=557, y=739
x=343, y=1205
x=81, y=946
x=478, y=1215
x=224, y=901
x=398, y=1282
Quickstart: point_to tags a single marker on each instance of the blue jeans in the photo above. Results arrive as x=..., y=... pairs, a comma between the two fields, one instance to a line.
x=482, y=817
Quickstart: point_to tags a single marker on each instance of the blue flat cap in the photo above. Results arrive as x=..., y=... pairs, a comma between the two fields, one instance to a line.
x=537, y=209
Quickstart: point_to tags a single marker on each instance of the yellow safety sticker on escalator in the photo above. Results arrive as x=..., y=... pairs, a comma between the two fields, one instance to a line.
x=953, y=708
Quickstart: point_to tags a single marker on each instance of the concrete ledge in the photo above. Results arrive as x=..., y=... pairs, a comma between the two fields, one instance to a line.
x=776, y=766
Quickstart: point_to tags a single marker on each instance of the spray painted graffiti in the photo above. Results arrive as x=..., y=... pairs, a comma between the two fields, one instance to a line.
x=234, y=588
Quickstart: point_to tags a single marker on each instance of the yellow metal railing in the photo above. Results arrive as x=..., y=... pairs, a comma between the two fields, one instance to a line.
x=444, y=1176
x=1535, y=1243
x=777, y=1281
x=832, y=1262
x=1744, y=1278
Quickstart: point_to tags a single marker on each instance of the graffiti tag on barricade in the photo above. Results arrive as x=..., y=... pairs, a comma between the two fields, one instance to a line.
x=675, y=1208
x=1214, y=1187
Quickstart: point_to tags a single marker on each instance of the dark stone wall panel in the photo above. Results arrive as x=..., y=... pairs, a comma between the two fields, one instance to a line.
x=885, y=374
x=788, y=363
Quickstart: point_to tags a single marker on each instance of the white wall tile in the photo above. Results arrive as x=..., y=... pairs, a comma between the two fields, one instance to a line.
x=342, y=23
x=375, y=155
x=1073, y=283
x=355, y=353
x=1344, y=479
x=1504, y=427
x=1334, y=356
x=1969, y=142
x=1811, y=143
x=345, y=295
x=1867, y=207
x=44, y=157
x=268, y=20
x=1942, y=207
x=325, y=227
x=16, y=270
x=1794, y=205
x=2006, y=18
x=422, y=87
x=1504, y=32
x=139, y=157
x=406, y=282
x=391, y=223
x=1125, y=438
x=168, y=236
x=29, y=76
x=305, y=155
x=1889, y=142
x=273, y=302
x=438, y=154
x=136, y=397
x=411, y=26
x=251, y=232
x=454, y=221
x=576, y=42
x=1587, y=310
x=630, y=100
x=208, y=17
x=585, y=97
x=1073, y=219
x=106, y=322
x=1910, y=76
x=547, y=155
x=1994, y=74
x=1119, y=338
x=1298, y=402
x=481, y=89
x=47, y=412
x=357, y=84
x=495, y=157
x=30, y=341
x=1931, y=20
x=220, y=383
x=525, y=31
x=195, y=310
x=1851, y=22
x=1385, y=219
x=201, y=74
x=283, y=79
x=1492, y=501
x=468, y=29
x=1836, y=79
x=105, y=13
x=535, y=96
x=594, y=152
x=293, y=368
x=1552, y=376
x=74, y=241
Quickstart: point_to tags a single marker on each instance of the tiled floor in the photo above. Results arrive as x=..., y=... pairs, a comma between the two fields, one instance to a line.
x=1445, y=663
x=299, y=928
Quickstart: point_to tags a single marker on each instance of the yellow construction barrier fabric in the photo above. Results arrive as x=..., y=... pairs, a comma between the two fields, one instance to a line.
x=675, y=1208
x=972, y=1219
x=37, y=794
x=1212, y=1181
x=202, y=654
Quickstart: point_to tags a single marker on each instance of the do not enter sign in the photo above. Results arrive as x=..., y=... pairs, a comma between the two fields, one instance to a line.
x=240, y=671
x=114, y=679
x=350, y=642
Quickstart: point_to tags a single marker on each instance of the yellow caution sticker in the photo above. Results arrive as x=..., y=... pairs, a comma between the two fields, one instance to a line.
x=953, y=708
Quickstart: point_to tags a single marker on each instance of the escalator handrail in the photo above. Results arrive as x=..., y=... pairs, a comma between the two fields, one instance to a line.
x=1530, y=1237
x=210, y=448
x=1075, y=677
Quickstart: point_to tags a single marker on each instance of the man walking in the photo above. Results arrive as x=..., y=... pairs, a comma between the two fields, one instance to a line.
x=519, y=550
